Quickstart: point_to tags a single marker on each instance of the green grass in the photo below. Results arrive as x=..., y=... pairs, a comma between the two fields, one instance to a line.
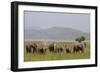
x=58, y=56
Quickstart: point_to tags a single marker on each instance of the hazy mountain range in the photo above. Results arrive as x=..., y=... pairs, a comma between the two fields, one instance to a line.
x=54, y=33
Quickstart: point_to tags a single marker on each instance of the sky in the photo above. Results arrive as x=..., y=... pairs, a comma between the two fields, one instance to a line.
x=45, y=20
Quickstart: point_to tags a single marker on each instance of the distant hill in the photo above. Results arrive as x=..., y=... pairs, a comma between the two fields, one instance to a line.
x=54, y=33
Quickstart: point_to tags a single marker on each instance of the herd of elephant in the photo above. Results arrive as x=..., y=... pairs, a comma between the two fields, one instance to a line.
x=33, y=48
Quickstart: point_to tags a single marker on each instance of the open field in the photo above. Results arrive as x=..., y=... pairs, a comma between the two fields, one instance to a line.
x=56, y=56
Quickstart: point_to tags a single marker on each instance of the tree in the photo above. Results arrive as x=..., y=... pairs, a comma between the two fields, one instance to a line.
x=80, y=39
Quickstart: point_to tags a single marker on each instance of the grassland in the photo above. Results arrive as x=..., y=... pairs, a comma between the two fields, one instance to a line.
x=57, y=56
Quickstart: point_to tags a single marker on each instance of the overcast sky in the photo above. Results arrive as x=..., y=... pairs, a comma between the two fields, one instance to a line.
x=46, y=20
